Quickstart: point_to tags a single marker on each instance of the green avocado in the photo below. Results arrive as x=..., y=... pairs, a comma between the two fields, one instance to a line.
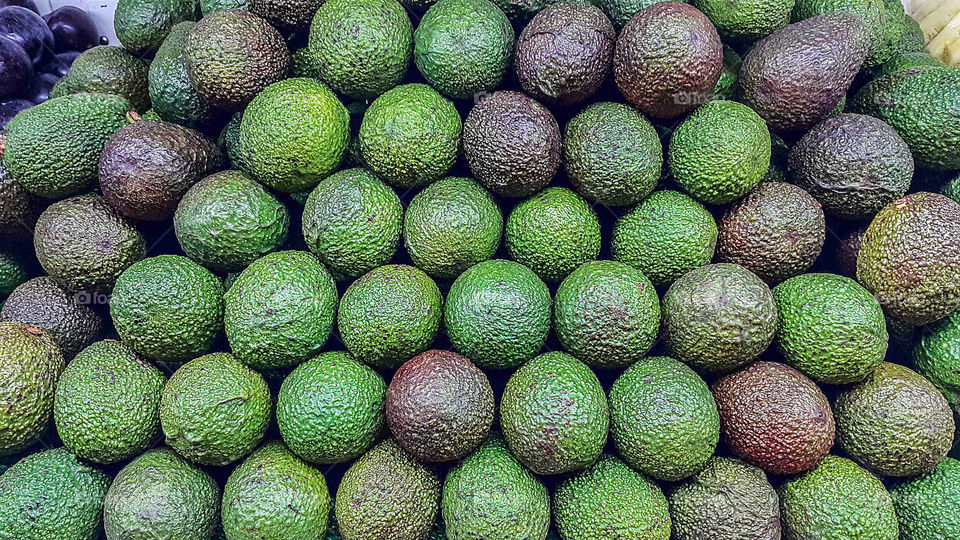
x=928, y=506
x=746, y=21
x=142, y=25
x=68, y=318
x=108, y=70
x=173, y=97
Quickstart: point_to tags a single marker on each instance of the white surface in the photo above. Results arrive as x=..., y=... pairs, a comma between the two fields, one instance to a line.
x=100, y=10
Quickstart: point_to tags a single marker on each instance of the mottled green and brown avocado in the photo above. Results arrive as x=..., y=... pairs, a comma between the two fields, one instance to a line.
x=43, y=303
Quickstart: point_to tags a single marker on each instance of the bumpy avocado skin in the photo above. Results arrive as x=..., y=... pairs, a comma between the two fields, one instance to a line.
x=172, y=96
x=746, y=21
x=928, y=506
x=142, y=25
x=108, y=70
x=42, y=302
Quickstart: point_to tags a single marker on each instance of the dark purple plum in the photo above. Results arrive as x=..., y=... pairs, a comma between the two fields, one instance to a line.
x=59, y=64
x=28, y=29
x=39, y=90
x=16, y=70
x=29, y=4
x=10, y=107
x=72, y=28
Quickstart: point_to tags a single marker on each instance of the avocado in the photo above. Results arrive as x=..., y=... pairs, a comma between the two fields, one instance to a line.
x=280, y=310
x=352, y=221
x=31, y=364
x=451, y=225
x=906, y=60
x=848, y=250
x=928, y=506
x=387, y=494
x=610, y=499
x=621, y=11
x=665, y=236
x=913, y=39
x=667, y=59
x=726, y=87
x=727, y=500
x=511, y=143
x=293, y=134
x=774, y=417
x=226, y=221
x=161, y=495
x=229, y=137
x=909, y=258
x=936, y=356
x=776, y=231
x=19, y=209
x=796, y=76
x=13, y=273
x=52, y=149
x=612, y=154
x=51, y=494
x=168, y=308
x=439, y=406
x=232, y=55
x=489, y=494
x=107, y=70
x=920, y=104
x=84, y=244
x=564, y=53
x=214, y=409
x=142, y=25
x=905, y=411
x=107, y=403
x=837, y=500
x=553, y=233
x=720, y=152
x=746, y=21
x=884, y=25
x=275, y=494
x=498, y=314
x=173, y=97
x=302, y=64
x=361, y=48
x=288, y=16
x=410, y=135
x=66, y=317
x=718, y=317
x=147, y=166
x=830, y=328
x=663, y=419
x=390, y=315
x=209, y=6
x=554, y=414
x=463, y=47
x=331, y=408
x=853, y=164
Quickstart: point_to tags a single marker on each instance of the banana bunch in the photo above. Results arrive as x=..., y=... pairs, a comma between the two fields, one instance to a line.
x=940, y=21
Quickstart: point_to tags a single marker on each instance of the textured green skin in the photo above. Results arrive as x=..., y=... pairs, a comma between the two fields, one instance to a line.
x=906, y=412
x=107, y=403
x=463, y=47
x=147, y=166
x=275, y=495
x=19, y=209
x=518, y=11
x=854, y=165
x=884, y=25
x=29, y=369
x=361, y=48
x=352, y=221
x=226, y=221
x=12, y=273
x=612, y=154
x=168, y=308
x=913, y=39
x=727, y=85
x=390, y=315
x=743, y=22
x=836, y=501
x=215, y=410
x=229, y=137
x=928, y=507
x=553, y=233
x=232, y=55
x=610, y=500
x=288, y=16
x=209, y=6
x=621, y=11
x=161, y=495
x=727, y=500
x=906, y=60
x=936, y=356
x=172, y=95
x=491, y=496
x=829, y=327
x=668, y=59
x=280, y=311
x=554, y=414
x=920, y=104
x=142, y=25
x=51, y=494
x=665, y=236
x=85, y=244
x=911, y=265
x=663, y=419
x=498, y=314
x=331, y=408
x=410, y=135
x=718, y=317
x=43, y=303
x=107, y=69
x=450, y=226
x=53, y=148
x=387, y=495
x=776, y=231
x=720, y=152
x=293, y=135
x=607, y=314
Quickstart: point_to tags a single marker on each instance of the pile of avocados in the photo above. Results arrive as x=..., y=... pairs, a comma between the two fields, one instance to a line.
x=485, y=270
